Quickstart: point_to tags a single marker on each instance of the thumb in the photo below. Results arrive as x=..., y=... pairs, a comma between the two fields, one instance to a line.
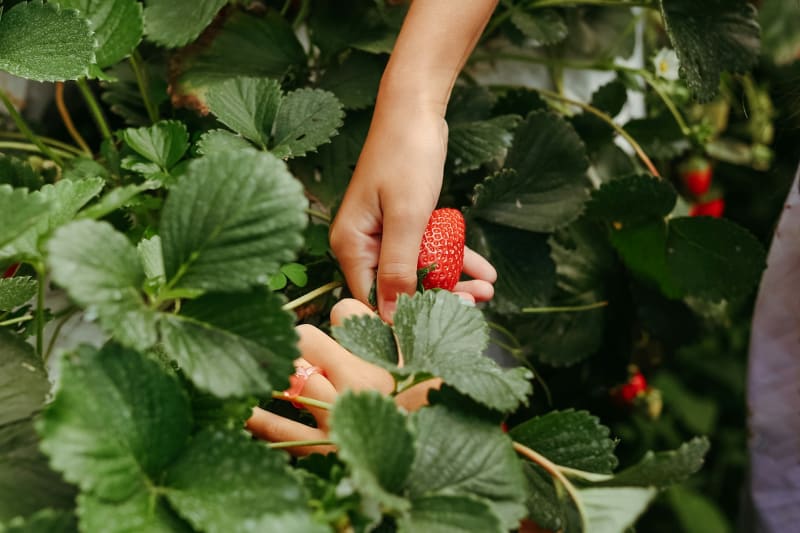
x=397, y=266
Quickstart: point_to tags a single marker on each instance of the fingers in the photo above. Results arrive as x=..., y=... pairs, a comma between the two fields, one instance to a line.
x=417, y=396
x=343, y=369
x=397, y=269
x=477, y=267
x=477, y=289
x=318, y=387
x=275, y=428
x=346, y=308
x=357, y=254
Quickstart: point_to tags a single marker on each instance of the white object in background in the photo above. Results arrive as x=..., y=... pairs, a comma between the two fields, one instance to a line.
x=30, y=97
x=774, y=380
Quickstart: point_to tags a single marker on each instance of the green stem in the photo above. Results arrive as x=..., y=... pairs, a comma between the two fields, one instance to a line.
x=24, y=129
x=295, y=443
x=95, y=110
x=319, y=214
x=303, y=400
x=55, y=143
x=302, y=13
x=608, y=120
x=319, y=291
x=564, y=309
x=28, y=147
x=41, y=276
x=17, y=320
x=555, y=471
x=142, y=82
x=651, y=81
x=57, y=332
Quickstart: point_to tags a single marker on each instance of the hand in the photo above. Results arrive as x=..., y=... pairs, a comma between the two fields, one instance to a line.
x=386, y=208
x=339, y=370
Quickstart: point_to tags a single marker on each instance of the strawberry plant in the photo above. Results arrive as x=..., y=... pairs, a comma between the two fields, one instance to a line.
x=178, y=203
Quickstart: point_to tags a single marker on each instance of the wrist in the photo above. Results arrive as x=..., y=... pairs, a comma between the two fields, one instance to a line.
x=414, y=91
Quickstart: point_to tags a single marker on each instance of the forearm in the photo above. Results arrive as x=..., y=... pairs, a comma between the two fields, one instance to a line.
x=435, y=41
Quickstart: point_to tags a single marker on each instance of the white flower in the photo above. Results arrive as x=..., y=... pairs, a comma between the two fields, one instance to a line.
x=666, y=63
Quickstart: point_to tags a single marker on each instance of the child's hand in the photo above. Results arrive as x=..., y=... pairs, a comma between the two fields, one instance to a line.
x=338, y=370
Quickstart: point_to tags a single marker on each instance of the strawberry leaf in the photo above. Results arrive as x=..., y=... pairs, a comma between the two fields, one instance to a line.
x=174, y=23
x=472, y=144
x=711, y=37
x=374, y=440
x=23, y=381
x=306, y=119
x=355, y=80
x=163, y=143
x=254, y=225
x=611, y=510
x=117, y=25
x=545, y=506
x=45, y=43
x=643, y=249
x=139, y=512
x=442, y=513
x=247, y=106
x=16, y=291
x=780, y=38
x=19, y=210
x=220, y=141
x=661, y=469
x=569, y=438
x=544, y=185
x=48, y=520
x=541, y=27
x=462, y=455
x=631, y=199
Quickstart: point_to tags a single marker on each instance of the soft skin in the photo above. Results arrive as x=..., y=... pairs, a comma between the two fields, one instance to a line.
x=396, y=183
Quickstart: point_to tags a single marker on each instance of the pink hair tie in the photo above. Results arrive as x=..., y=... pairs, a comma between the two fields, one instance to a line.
x=297, y=382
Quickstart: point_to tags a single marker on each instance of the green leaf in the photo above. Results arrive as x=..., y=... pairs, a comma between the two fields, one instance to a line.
x=569, y=438
x=43, y=521
x=631, y=199
x=439, y=336
x=116, y=421
x=462, y=455
x=16, y=291
x=27, y=484
x=696, y=512
x=711, y=37
x=19, y=210
x=450, y=514
x=306, y=119
x=541, y=27
x=472, y=144
x=253, y=226
x=661, y=469
x=780, y=38
x=173, y=23
x=611, y=510
x=246, y=45
x=643, y=249
x=220, y=141
x=117, y=198
x=150, y=254
x=698, y=412
x=247, y=106
x=526, y=275
x=163, y=143
x=713, y=258
x=375, y=441
x=117, y=24
x=100, y=269
x=296, y=273
x=64, y=200
x=232, y=343
x=545, y=185
x=659, y=137
x=544, y=505
x=213, y=487
x=355, y=80
x=23, y=381
x=140, y=512
x=45, y=43
x=18, y=173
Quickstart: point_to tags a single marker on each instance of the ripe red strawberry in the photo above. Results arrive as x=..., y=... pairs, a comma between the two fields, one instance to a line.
x=713, y=208
x=10, y=271
x=627, y=393
x=696, y=176
x=441, y=253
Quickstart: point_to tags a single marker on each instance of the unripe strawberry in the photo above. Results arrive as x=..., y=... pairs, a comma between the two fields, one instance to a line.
x=696, y=176
x=713, y=208
x=441, y=252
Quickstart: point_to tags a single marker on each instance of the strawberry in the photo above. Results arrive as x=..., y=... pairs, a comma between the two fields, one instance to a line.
x=441, y=252
x=628, y=392
x=11, y=271
x=713, y=208
x=696, y=176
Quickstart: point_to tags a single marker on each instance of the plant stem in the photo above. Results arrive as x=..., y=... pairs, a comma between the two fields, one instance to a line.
x=564, y=309
x=57, y=332
x=294, y=443
x=67, y=119
x=304, y=400
x=53, y=143
x=28, y=147
x=142, y=81
x=95, y=110
x=319, y=214
x=608, y=120
x=651, y=81
x=17, y=320
x=555, y=471
x=319, y=291
x=24, y=129
x=41, y=276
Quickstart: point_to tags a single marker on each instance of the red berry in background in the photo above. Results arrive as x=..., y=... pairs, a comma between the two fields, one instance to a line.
x=442, y=249
x=10, y=271
x=713, y=208
x=627, y=393
x=696, y=175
